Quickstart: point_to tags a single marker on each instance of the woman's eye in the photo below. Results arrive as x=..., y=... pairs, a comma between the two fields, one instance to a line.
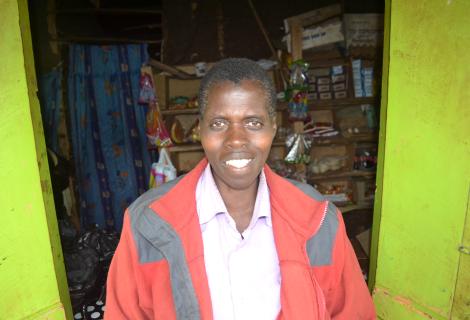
x=217, y=125
x=254, y=124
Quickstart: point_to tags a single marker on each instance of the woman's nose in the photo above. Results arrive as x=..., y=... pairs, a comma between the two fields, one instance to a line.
x=236, y=136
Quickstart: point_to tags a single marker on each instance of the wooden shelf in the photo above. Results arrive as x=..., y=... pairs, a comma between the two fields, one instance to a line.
x=354, y=206
x=333, y=104
x=369, y=137
x=318, y=142
x=113, y=11
x=187, y=147
x=279, y=144
x=326, y=141
x=339, y=175
x=170, y=112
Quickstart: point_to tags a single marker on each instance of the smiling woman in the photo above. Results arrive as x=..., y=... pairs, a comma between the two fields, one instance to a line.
x=231, y=239
x=236, y=134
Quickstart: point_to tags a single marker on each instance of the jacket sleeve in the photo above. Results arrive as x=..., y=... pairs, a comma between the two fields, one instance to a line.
x=122, y=301
x=348, y=297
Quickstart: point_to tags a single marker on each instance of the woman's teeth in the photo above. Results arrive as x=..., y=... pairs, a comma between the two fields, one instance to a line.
x=238, y=163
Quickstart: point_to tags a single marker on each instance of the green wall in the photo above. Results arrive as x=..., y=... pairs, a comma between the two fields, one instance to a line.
x=424, y=187
x=32, y=275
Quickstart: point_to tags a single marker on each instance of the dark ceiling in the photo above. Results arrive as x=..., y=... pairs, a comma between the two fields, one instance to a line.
x=193, y=30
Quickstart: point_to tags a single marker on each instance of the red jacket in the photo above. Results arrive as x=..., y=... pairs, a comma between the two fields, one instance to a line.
x=158, y=270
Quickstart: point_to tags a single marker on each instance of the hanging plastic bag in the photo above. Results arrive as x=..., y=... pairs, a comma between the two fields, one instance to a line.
x=156, y=131
x=147, y=89
x=162, y=171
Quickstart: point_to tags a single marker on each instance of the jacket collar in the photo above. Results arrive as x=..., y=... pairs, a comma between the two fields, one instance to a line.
x=299, y=210
x=285, y=198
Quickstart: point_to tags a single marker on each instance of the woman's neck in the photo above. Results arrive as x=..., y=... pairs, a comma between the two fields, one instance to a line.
x=240, y=203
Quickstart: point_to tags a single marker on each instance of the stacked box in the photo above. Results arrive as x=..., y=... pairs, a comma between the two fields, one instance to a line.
x=367, y=81
x=327, y=83
x=363, y=79
x=357, y=78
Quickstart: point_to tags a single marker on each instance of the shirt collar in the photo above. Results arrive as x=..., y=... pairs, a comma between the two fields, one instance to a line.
x=210, y=203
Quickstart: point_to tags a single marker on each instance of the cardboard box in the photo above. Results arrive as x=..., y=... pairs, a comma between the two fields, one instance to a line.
x=323, y=80
x=325, y=96
x=318, y=72
x=339, y=86
x=327, y=33
x=323, y=88
x=363, y=30
x=338, y=78
x=341, y=95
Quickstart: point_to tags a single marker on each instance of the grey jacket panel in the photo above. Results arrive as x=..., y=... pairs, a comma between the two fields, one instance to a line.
x=156, y=240
x=320, y=246
x=308, y=190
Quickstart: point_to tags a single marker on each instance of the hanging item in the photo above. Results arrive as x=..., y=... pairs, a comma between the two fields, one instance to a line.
x=297, y=90
x=147, y=90
x=299, y=148
x=156, y=131
x=162, y=171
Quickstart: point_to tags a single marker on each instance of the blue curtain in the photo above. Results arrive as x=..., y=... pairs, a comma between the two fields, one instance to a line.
x=107, y=130
x=50, y=95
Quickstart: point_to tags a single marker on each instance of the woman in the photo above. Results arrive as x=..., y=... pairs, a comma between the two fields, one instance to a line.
x=231, y=239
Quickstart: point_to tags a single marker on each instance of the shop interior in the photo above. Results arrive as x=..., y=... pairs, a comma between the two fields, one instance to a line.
x=118, y=83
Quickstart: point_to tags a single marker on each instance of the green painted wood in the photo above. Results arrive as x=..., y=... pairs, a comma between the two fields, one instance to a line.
x=381, y=151
x=32, y=274
x=426, y=159
x=461, y=303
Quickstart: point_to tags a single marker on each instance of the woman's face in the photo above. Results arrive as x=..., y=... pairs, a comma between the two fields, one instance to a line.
x=237, y=133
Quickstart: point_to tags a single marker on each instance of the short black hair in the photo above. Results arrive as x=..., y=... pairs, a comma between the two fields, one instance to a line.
x=236, y=70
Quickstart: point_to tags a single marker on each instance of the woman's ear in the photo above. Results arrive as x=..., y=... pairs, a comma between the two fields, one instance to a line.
x=274, y=126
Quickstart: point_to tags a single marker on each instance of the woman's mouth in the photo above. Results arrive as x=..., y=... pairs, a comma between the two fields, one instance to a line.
x=238, y=163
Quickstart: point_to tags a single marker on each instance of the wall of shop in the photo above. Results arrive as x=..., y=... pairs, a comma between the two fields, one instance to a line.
x=424, y=190
x=32, y=275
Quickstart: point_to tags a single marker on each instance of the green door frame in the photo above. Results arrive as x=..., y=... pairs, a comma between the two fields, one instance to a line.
x=416, y=268
x=32, y=273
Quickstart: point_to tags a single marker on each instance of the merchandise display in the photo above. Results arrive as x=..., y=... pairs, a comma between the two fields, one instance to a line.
x=297, y=90
x=326, y=83
x=162, y=171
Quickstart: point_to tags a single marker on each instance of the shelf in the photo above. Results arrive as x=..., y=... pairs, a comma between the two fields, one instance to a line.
x=351, y=207
x=339, y=175
x=110, y=11
x=317, y=142
x=333, y=104
x=326, y=141
x=186, y=147
x=368, y=137
x=174, y=112
x=279, y=144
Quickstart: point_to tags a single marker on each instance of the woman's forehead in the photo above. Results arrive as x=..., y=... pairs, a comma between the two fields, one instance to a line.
x=226, y=85
x=246, y=95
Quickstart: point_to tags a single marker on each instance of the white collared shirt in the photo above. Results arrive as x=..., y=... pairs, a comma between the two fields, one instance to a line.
x=242, y=269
